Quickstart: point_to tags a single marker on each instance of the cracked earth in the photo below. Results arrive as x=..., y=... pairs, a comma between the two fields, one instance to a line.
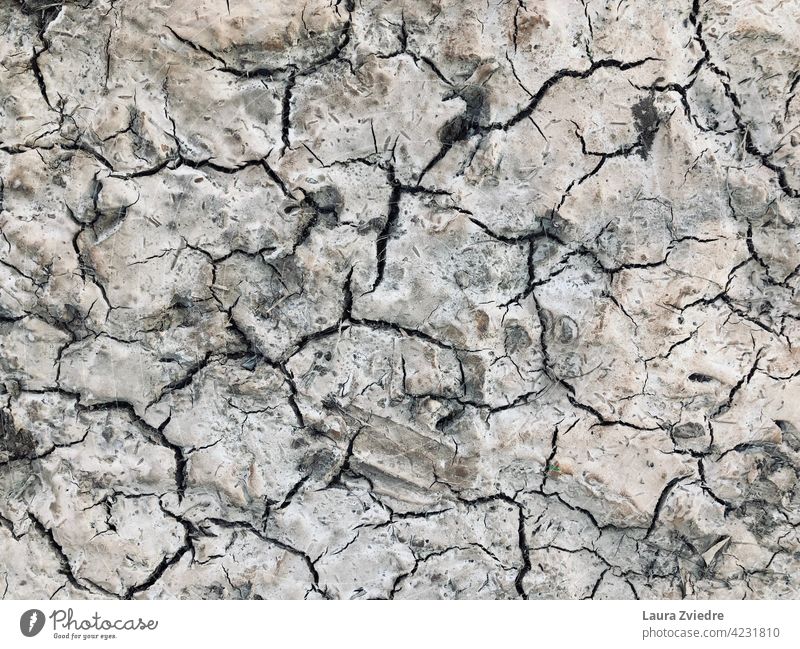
x=399, y=299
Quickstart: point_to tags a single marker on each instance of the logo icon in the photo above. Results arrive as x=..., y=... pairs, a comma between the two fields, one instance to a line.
x=31, y=622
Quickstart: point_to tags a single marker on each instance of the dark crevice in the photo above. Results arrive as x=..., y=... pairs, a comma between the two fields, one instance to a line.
x=286, y=111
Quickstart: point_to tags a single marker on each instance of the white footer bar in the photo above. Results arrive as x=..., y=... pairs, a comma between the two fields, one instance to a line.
x=422, y=625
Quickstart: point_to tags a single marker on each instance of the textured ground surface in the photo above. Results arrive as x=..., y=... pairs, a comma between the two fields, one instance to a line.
x=400, y=298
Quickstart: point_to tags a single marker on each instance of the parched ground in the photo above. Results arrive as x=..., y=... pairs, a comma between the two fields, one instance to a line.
x=399, y=299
